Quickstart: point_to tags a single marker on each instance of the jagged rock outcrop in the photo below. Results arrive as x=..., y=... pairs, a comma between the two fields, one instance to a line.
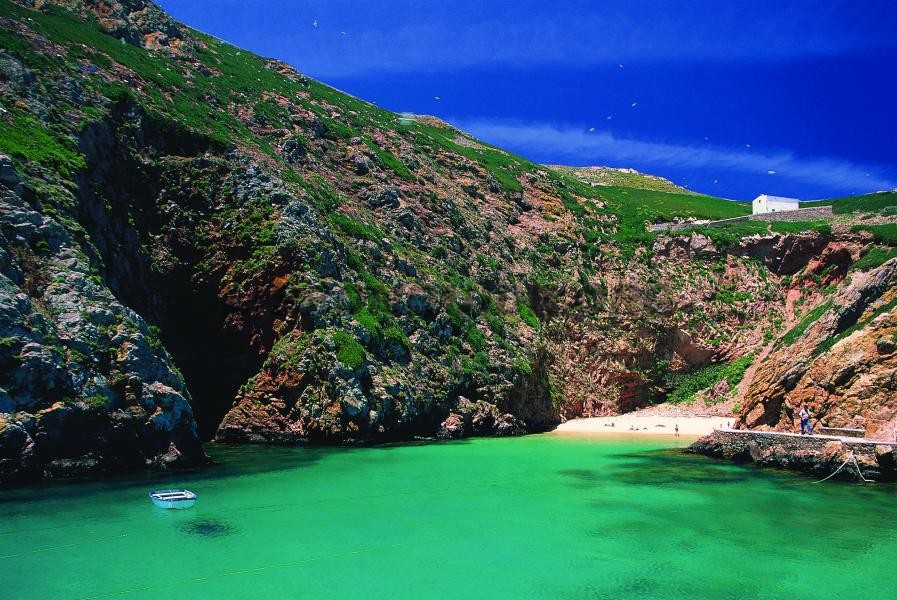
x=137, y=22
x=478, y=418
x=783, y=254
x=841, y=364
x=85, y=384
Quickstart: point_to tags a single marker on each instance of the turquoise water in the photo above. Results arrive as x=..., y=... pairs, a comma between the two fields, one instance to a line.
x=533, y=517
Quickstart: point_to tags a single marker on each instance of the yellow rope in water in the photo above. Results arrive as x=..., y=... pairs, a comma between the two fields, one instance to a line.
x=72, y=545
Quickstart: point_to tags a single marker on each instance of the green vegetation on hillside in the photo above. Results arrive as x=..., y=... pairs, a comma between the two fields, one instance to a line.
x=830, y=341
x=639, y=206
x=885, y=234
x=689, y=384
x=864, y=203
x=625, y=178
x=633, y=208
x=731, y=233
x=798, y=330
x=348, y=350
x=873, y=257
x=527, y=314
x=389, y=160
x=505, y=167
x=26, y=138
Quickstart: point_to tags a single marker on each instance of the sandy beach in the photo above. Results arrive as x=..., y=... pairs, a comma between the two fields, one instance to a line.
x=644, y=425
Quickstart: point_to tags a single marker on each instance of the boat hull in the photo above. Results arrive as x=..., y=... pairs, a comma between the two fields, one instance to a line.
x=174, y=499
x=175, y=504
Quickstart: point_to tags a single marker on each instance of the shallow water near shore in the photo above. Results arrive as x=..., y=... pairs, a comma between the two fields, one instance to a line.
x=532, y=517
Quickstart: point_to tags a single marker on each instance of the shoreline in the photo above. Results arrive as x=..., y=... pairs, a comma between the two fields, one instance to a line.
x=636, y=424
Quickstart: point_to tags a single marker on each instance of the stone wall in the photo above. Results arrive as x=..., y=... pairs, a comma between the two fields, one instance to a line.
x=818, y=455
x=842, y=432
x=802, y=214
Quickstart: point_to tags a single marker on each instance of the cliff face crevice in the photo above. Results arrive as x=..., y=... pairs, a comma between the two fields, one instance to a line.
x=85, y=388
x=146, y=221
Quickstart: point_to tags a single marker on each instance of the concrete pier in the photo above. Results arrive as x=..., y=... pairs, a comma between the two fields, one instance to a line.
x=818, y=455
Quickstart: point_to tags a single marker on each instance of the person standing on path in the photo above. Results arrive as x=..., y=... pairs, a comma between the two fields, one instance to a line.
x=805, y=420
x=677, y=430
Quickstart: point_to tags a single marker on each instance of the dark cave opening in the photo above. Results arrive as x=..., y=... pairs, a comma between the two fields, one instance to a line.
x=214, y=360
x=121, y=210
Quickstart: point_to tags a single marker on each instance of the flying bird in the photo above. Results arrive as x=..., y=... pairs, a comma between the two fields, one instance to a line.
x=591, y=129
x=609, y=117
x=747, y=145
x=771, y=172
x=437, y=98
x=634, y=104
x=315, y=24
x=621, y=65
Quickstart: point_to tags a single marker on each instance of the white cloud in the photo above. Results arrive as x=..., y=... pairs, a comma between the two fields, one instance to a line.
x=573, y=145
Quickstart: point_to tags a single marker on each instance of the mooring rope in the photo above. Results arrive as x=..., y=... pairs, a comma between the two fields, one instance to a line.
x=846, y=460
x=850, y=458
x=859, y=472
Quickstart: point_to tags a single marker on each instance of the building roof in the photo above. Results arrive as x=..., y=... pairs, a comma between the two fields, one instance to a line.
x=777, y=198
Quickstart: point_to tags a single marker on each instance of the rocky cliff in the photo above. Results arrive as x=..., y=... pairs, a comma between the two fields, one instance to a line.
x=840, y=360
x=199, y=242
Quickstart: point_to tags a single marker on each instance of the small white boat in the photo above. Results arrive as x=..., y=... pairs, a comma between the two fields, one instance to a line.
x=173, y=498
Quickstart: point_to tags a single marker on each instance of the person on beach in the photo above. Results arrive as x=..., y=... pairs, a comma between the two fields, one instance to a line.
x=676, y=430
x=804, y=415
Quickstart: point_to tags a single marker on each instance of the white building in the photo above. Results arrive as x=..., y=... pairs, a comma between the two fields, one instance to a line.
x=765, y=203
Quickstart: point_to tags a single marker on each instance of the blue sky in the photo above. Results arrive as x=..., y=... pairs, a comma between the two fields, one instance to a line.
x=728, y=98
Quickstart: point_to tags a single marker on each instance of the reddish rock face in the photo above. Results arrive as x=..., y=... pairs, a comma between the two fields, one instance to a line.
x=843, y=367
x=783, y=254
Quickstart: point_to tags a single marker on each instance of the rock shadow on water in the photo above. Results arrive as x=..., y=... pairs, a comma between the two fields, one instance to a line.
x=208, y=528
x=226, y=460
x=581, y=478
x=637, y=587
x=672, y=467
